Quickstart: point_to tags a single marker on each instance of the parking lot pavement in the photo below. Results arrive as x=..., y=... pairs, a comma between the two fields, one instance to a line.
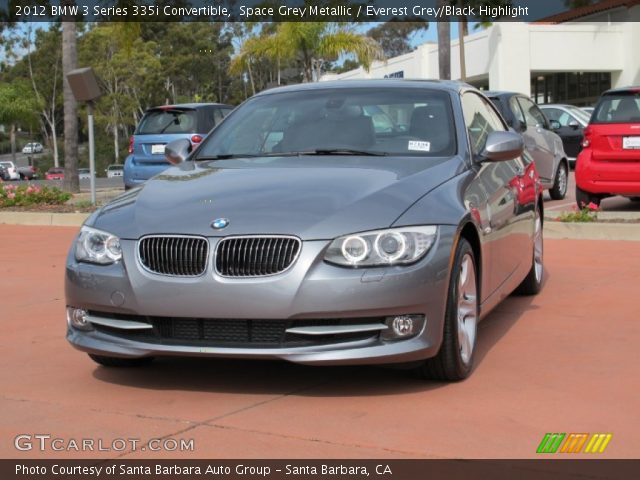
x=611, y=204
x=564, y=361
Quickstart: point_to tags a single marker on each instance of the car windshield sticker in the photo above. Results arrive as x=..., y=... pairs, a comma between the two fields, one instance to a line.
x=419, y=145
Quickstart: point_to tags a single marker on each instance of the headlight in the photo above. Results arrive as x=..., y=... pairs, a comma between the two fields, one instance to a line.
x=96, y=246
x=395, y=246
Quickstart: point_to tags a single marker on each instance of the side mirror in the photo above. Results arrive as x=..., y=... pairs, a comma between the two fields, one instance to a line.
x=555, y=125
x=177, y=151
x=574, y=124
x=502, y=146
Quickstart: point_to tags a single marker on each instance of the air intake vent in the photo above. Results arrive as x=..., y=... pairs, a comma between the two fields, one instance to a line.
x=257, y=256
x=178, y=256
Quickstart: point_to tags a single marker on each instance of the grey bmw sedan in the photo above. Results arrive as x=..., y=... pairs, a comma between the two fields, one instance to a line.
x=334, y=223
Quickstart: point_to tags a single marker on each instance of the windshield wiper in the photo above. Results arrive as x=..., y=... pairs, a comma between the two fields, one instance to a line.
x=227, y=156
x=319, y=152
x=343, y=151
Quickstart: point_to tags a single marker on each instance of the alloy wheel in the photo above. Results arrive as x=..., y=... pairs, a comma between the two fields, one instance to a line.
x=538, y=248
x=467, y=308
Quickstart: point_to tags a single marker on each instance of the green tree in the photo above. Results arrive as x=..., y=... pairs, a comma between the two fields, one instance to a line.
x=34, y=56
x=312, y=45
x=43, y=60
x=348, y=65
x=123, y=70
x=393, y=36
x=17, y=108
x=194, y=59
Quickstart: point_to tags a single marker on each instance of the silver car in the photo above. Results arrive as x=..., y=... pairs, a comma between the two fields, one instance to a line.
x=303, y=230
x=544, y=145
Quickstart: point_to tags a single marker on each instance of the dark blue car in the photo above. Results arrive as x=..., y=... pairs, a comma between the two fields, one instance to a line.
x=161, y=125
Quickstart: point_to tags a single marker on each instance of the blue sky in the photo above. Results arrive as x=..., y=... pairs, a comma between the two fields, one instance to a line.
x=428, y=35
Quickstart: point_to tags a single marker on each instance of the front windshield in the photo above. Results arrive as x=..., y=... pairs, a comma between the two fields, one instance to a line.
x=383, y=121
x=580, y=114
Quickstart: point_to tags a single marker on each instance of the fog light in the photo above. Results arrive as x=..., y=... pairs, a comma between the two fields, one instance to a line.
x=403, y=326
x=78, y=318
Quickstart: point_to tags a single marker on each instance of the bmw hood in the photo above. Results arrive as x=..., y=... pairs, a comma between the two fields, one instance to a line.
x=313, y=198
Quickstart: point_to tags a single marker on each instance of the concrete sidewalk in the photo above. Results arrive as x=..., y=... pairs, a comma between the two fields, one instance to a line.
x=552, y=229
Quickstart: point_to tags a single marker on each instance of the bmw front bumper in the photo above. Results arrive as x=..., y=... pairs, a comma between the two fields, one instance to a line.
x=310, y=290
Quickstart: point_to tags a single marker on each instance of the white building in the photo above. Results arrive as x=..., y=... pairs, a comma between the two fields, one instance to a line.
x=557, y=61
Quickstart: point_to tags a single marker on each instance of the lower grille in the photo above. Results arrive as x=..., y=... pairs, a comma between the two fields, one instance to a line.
x=259, y=333
x=256, y=256
x=174, y=255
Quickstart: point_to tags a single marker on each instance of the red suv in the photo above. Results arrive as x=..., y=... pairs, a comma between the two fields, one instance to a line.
x=609, y=163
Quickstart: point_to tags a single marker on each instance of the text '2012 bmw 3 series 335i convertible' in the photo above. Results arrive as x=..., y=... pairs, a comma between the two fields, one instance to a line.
x=335, y=223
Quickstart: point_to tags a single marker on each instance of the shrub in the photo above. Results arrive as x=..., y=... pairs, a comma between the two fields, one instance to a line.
x=588, y=213
x=25, y=195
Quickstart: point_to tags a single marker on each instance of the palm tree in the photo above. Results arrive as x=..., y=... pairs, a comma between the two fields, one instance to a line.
x=69, y=63
x=251, y=49
x=312, y=44
x=444, y=47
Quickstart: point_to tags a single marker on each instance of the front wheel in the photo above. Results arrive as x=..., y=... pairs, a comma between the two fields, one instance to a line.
x=454, y=361
x=559, y=189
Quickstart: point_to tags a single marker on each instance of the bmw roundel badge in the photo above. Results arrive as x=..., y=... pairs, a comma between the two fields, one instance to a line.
x=220, y=223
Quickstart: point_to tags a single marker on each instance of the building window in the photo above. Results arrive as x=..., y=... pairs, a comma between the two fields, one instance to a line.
x=576, y=88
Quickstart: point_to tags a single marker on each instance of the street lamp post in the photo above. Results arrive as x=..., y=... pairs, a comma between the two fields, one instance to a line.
x=92, y=153
x=85, y=88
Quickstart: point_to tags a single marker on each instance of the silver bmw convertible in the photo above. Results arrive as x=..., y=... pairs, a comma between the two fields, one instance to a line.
x=334, y=223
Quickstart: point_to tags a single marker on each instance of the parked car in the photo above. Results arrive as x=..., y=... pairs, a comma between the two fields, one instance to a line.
x=84, y=174
x=297, y=232
x=609, y=163
x=588, y=110
x=55, y=173
x=114, y=170
x=161, y=125
x=544, y=146
x=11, y=171
x=32, y=148
x=569, y=123
x=28, y=172
x=4, y=175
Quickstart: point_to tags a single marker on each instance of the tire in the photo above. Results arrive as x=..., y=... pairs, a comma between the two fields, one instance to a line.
x=454, y=361
x=120, y=362
x=585, y=198
x=560, y=182
x=532, y=283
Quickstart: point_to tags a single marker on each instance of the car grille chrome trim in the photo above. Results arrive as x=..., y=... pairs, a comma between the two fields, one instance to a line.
x=119, y=324
x=234, y=332
x=174, y=255
x=256, y=255
x=337, y=329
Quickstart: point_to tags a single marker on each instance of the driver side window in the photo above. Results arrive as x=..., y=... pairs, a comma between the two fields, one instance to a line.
x=480, y=119
x=533, y=116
